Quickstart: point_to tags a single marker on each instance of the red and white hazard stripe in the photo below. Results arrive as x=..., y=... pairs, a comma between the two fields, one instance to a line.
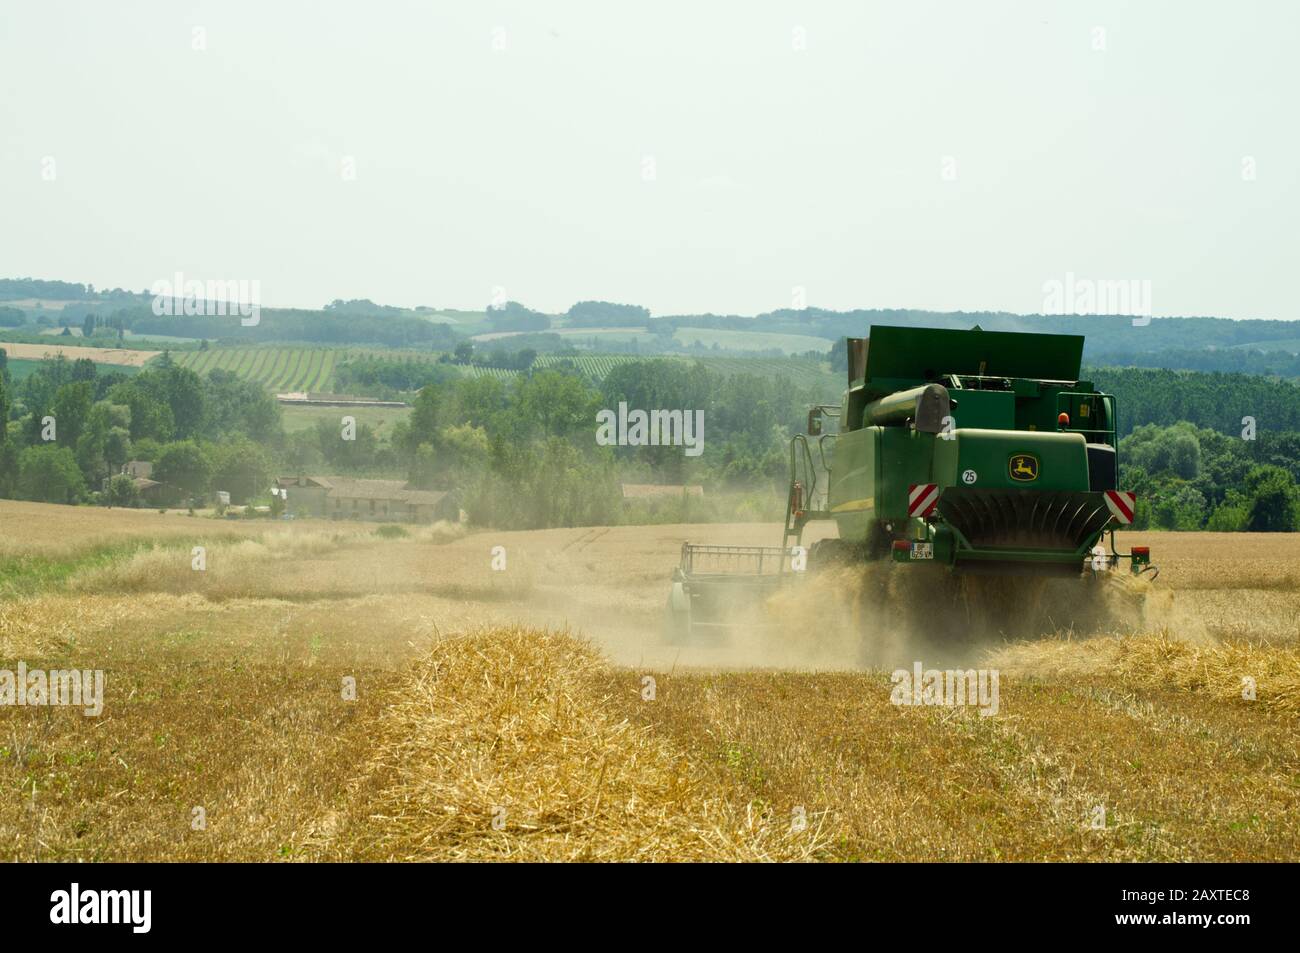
x=1121, y=503
x=922, y=498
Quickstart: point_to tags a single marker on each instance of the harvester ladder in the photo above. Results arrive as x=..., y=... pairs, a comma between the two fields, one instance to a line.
x=809, y=496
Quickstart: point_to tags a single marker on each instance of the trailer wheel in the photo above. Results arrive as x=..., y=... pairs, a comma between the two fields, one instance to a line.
x=677, y=615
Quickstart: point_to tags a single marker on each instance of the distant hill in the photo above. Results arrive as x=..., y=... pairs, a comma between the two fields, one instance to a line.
x=1266, y=347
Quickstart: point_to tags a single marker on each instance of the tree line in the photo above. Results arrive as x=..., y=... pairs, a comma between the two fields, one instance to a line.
x=1216, y=401
x=524, y=451
x=1190, y=478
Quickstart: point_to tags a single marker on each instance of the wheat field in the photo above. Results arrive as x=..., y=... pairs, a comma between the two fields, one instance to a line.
x=320, y=692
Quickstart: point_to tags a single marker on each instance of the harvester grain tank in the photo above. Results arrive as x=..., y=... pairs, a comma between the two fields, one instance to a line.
x=978, y=451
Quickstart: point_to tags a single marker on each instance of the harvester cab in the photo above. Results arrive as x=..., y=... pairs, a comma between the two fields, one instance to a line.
x=980, y=451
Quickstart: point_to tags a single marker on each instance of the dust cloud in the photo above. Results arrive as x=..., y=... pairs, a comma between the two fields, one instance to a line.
x=610, y=585
x=880, y=616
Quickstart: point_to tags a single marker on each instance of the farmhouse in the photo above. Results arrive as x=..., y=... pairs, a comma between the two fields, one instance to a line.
x=151, y=491
x=347, y=498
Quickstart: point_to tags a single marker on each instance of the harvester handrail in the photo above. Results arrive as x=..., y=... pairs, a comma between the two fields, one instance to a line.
x=800, y=444
x=958, y=378
x=821, y=448
x=800, y=452
x=1112, y=414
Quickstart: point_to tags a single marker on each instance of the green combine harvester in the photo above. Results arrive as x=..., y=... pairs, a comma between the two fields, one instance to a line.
x=978, y=451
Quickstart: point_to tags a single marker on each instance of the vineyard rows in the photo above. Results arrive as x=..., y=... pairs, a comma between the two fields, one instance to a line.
x=277, y=368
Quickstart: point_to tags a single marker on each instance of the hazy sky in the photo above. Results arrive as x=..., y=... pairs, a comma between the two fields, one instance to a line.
x=695, y=156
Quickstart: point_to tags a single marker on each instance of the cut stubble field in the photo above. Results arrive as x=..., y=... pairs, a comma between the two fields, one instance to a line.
x=535, y=713
x=126, y=357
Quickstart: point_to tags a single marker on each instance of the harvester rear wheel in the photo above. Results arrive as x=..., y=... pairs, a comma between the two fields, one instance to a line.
x=833, y=554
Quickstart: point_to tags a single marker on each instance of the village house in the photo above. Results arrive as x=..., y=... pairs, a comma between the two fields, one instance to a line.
x=150, y=490
x=364, y=499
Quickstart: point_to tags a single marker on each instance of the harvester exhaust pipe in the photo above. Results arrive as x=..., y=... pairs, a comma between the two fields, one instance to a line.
x=926, y=406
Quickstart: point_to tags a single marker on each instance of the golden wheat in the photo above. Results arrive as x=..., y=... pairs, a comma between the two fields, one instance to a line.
x=497, y=746
x=223, y=690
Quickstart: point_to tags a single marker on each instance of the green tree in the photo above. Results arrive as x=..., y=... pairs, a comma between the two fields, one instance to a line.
x=548, y=483
x=1175, y=450
x=1180, y=507
x=359, y=453
x=181, y=390
x=1230, y=516
x=1272, y=494
x=424, y=467
x=184, y=464
x=117, y=448
x=424, y=422
x=607, y=314
x=241, y=468
x=9, y=454
x=83, y=369
x=479, y=401
x=150, y=417
x=466, y=448
x=72, y=404
x=104, y=443
x=556, y=405
x=513, y=316
x=49, y=474
x=122, y=491
x=232, y=405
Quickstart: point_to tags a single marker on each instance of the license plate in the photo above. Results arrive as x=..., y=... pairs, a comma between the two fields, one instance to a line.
x=923, y=550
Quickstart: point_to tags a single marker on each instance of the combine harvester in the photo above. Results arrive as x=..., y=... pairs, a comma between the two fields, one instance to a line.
x=976, y=451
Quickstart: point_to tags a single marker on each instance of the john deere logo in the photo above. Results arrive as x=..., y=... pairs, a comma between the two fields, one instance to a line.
x=1023, y=467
